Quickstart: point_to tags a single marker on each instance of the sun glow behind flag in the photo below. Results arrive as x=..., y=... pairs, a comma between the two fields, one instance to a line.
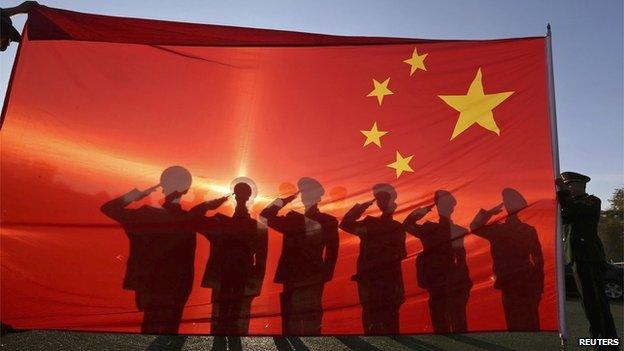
x=100, y=105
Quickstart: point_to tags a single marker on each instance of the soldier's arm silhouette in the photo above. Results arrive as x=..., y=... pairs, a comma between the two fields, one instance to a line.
x=350, y=223
x=207, y=226
x=410, y=225
x=202, y=208
x=477, y=226
x=331, y=249
x=270, y=213
x=116, y=208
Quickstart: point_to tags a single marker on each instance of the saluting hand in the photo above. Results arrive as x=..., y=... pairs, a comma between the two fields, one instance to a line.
x=216, y=203
x=367, y=204
x=136, y=194
x=290, y=198
x=149, y=190
x=420, y=212
x=495, y=210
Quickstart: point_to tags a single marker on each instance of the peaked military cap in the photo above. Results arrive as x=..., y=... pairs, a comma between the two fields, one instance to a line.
x=569, y=177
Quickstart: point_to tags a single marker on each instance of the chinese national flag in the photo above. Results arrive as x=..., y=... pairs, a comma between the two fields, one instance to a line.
x=99, y=106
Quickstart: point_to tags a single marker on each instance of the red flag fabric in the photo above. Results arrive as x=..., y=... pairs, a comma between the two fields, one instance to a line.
x=163, y=177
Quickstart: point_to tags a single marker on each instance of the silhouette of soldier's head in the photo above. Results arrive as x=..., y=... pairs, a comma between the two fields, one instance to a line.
x=385, y=196
x=311, y=191
x=445, y=203
x=175, y=182
x=513, y=200
x=244, y=190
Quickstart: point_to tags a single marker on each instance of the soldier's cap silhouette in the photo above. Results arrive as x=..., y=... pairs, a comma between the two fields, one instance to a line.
x=569, y=177
x=175, y=179
x=513, y=200
x=442, y=195
x=445, y=202
x=311, y=190
x=385, y=194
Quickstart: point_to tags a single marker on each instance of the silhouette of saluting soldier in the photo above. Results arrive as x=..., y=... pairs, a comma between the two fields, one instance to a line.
x=517, y=261
x=382, y=248
x=160, y=266
x=236, y=266
x=307, y=260
x=441, y=267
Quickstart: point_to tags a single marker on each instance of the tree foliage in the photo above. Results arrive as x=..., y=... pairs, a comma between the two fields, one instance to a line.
x=611, y=227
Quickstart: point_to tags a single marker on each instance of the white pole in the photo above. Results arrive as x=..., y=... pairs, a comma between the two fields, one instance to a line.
x=563, y=330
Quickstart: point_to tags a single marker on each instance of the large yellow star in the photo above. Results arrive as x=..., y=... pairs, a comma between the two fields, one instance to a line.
x=475, y=107
x=401, y=164
x=373, y=135
x=416, y=62
x=380, y=90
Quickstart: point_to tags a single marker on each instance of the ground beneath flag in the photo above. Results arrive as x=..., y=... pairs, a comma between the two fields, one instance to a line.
x=52, y=340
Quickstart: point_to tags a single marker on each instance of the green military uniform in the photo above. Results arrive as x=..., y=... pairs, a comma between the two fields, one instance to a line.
x=584, y=250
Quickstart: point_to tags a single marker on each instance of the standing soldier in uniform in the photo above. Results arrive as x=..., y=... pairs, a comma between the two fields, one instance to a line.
x=382, y=248
x=583, y=249
x=160, y=267
x=441, y=267
x=517, y=260
x=235, y=268
x=308, y=258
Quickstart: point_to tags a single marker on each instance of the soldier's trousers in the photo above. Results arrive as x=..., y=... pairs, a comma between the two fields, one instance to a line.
x=230, y=314
x=448, y=311
x=381, y=301
x=164, y=320
x=590, y=282
x=301, y=307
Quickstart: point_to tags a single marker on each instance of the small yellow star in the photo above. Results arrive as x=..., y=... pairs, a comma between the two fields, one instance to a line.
x=416, y=62
x=475, y=107
x=401, y=164
x=380, y=90
x=373, y=135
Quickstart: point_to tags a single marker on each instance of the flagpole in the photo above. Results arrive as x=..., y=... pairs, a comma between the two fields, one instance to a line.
x=563, y=330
